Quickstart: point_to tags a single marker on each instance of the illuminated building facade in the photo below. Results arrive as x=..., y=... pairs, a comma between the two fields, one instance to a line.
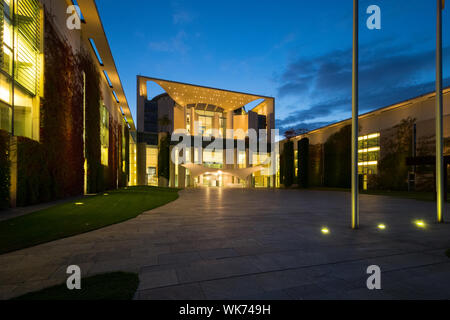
x=64, y=117
x=207, y=114
x=388, y=138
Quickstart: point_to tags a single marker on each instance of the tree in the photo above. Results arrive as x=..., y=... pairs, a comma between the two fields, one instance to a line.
x=292, y=133
x=164, y=122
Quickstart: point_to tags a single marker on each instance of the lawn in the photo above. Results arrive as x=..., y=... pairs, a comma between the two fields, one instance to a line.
x=110, y=286
x=89, y=213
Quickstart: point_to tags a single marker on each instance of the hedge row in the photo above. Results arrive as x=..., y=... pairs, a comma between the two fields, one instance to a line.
x=4, y=170
x=338, y=160
x=164, y=157
x=303, y=163
x=287, y=164
x=34, y=180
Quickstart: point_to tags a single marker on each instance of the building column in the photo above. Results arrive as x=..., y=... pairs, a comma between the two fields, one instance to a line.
x=230, y=122
x=247, y=165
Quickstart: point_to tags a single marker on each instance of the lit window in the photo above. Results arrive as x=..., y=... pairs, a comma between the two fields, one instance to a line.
x=368, y=154
x=104, y=135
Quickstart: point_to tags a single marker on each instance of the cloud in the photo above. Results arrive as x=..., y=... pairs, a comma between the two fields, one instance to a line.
x=387, y=75
x=182, y=17
x=175, y=44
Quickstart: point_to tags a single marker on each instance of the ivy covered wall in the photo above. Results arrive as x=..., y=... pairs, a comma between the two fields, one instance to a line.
x=61, y=132
x=95, y=171
x=396, y=146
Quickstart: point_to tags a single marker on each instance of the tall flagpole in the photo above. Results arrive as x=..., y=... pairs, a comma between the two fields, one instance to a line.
x=355, y=130
x=439, y=113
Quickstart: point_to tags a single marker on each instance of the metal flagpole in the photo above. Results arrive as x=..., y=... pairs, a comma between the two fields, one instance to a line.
x=355, y=130
x=439, y=116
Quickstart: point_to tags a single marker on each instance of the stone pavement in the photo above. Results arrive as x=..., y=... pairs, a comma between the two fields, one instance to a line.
x=254, y=244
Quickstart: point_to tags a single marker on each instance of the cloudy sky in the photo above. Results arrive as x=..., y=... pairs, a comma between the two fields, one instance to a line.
x=298, y=51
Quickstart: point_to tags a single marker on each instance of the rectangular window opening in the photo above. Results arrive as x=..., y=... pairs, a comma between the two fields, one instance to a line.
x=80, y=14
x=107, y=78
x=115, y=96
x=94, y=47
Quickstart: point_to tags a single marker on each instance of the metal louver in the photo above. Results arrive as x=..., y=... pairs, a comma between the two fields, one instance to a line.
x=2, y=26
x=28, y=26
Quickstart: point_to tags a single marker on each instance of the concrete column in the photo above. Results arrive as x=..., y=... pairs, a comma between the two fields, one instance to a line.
x=230, y=122
x=194, y=119
x=141, y=164
x=247, y=165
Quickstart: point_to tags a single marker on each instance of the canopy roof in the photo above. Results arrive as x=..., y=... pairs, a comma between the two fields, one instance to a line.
x=186, y=94
x=93, y=29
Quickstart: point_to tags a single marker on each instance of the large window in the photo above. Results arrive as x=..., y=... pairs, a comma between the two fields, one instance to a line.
x=209, y=121
x=213, y=159
x=20, y=23
x=104, y=134
x=368, y=154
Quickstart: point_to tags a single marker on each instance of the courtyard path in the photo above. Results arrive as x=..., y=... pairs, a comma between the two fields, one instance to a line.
x=254, y=244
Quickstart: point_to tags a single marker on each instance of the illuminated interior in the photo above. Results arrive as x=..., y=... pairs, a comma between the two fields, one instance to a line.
x=205, y=111
x=104, y=134
x=133, y=162
x=152, y=166
x=368, y=156
x=21, y=60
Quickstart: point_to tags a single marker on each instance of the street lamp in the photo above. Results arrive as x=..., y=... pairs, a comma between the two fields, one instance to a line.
x=439, y=115
x=355, y=129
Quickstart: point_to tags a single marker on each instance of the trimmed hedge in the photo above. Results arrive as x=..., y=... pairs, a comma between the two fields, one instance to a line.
x=164, y=157
x=303, y=163
x=288, y=168
x=338, y=160
x=34, y=181
x=4, y=170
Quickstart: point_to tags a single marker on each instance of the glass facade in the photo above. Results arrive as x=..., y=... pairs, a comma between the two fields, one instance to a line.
x=213, y=159
x=209, y=121
x=20, y=59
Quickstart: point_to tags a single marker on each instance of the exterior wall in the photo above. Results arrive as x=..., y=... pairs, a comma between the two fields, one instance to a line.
x=384, y=121
x=61, y=98
x=57, y=9
x=421, y=109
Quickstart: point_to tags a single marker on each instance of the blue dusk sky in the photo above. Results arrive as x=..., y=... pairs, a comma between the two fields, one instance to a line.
x=296, y=51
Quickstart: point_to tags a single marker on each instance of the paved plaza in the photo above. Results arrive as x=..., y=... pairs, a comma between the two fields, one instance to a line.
x=254, y=244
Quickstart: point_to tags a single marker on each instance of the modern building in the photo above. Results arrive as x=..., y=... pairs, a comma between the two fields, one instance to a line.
x=390, y=139
x=65, y=123
x=203, y=116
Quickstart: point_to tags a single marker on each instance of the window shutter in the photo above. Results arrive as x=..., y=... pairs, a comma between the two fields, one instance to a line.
x=28, y=44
